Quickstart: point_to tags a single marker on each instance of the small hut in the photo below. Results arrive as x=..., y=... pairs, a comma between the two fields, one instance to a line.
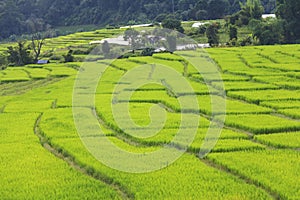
x=43, y=62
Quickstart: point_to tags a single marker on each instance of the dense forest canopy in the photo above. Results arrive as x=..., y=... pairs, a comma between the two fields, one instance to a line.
x=29, y=16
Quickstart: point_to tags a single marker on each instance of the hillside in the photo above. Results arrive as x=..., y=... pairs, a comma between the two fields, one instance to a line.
x=31, y=16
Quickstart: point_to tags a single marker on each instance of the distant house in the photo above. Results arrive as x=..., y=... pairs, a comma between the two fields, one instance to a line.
x=265, y=16
x=198, y=24
x=43, y=62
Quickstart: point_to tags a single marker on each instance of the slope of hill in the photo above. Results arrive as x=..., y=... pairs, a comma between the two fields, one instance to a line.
x=33, y=16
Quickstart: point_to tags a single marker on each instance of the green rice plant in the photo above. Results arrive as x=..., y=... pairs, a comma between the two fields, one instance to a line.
x=232, y=106
x=262, y=123
x=281, y=81
x=283, y=66
x=30, y=171
x=257, y=59
x=124, y=64
x=14, y=75
x=228, y=145
x=280, y=140
x=178, y=66
x=61, y=71
x=167, y=56
x=37, y=73
x=281, y=104
x=27, y=106
x=277, y=170
x=291, y=112
x=246, y=85
x=225, y=77
x=256, y=96
x=186, y=170
x=15, y=88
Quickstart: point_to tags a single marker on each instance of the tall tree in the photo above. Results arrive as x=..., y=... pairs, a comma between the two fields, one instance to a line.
x=289, y=11
x=212, y=34
x=170, y=22
x=217, y=8
x=10, y=19
x=19, y=55
x=37, y=42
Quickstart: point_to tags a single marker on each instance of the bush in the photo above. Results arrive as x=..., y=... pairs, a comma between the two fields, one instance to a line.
x=3, y=61
x=69, y=57
x=202, y=29
x=147, y=52
x=233, y=32
x=212, y=34
x=246, y=41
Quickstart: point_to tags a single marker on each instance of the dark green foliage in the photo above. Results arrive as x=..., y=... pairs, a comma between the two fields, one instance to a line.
x=37, y=42
x=147, y=52
x=217, y=8
x=172, y=23
x=24, y=17
x=212, y=34
x=246, y=41
x=268, y=32
x=288, y=10
x=252, y=9
x=69, y=57
x=233, y=32
x=3, y=61
x=19, y=55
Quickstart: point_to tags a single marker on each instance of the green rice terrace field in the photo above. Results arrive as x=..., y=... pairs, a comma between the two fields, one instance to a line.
x=257, y=155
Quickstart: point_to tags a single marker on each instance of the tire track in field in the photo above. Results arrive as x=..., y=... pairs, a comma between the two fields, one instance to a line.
x=71, y=161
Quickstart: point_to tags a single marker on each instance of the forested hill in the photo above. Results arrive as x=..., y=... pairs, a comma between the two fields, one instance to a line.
x=27, y=16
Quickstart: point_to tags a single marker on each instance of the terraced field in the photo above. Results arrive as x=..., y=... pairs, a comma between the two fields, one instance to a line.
x=256, y=156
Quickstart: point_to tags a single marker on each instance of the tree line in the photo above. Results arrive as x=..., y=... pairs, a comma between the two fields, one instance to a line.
x=31, y=16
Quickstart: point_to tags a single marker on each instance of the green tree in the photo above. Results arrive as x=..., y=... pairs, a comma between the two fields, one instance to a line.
x=3, y=61
x=19, y=55
x=233, y=31
x=288, y=10
x=172, y=23
x=69, y=57
x=268, y=32
x=212, y=34
x=256, y=9
x=252, y=9
x=217, y=8
x=10, y=19
x=37, y=42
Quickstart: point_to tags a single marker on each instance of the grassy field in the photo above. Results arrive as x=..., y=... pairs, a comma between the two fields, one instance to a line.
x=256, y=156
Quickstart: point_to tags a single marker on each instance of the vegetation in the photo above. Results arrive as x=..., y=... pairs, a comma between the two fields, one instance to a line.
x=256, y=156
x=36, y=16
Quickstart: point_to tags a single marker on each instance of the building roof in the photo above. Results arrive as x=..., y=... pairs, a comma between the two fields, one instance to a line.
x=264, y=16
x=42, y=61
x=198, y=24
